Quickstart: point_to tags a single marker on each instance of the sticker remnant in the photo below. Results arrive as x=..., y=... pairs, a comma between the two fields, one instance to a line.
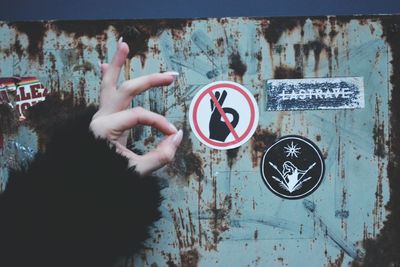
x=22, y=92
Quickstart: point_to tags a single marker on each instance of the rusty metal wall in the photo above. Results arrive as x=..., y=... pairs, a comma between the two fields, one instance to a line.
x=217, y=210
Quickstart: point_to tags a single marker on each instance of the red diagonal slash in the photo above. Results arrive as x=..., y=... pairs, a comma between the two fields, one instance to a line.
x=221, y=111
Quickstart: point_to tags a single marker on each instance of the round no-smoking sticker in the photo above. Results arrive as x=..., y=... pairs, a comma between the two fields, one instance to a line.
x=223, y=115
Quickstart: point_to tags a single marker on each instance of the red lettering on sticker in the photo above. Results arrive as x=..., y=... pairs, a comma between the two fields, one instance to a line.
x=34, y=90
x=24, y=96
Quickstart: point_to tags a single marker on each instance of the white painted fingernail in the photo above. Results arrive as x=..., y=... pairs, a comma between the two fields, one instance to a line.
x=178, y=137
x=172, y=127
x=173, y=73
x=120, y=40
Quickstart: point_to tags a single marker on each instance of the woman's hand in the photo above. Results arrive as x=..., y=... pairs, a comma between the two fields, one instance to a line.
x=113, y=119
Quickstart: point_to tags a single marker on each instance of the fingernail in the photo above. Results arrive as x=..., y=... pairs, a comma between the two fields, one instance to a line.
x=99, y=62
x=120, y=40
x=172, y=73
x=178, y=137
x=173, y=128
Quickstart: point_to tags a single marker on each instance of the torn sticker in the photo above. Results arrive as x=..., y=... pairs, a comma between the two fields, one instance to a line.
x=22, y=92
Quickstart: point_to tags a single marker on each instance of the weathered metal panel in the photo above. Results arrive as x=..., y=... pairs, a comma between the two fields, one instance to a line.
x=217, y=210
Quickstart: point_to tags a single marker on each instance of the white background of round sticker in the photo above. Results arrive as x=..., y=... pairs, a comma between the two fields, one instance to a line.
x=235, y=100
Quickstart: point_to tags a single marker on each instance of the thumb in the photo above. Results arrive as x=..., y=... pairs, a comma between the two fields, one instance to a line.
x=163, y=154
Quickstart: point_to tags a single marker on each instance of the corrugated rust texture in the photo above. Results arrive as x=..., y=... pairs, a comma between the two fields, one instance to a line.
x=217, y=211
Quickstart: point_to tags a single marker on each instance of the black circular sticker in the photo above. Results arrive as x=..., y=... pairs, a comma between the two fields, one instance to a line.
x=292, y=167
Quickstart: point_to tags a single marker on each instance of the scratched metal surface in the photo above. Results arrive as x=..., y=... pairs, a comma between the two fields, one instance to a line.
x=217, y=210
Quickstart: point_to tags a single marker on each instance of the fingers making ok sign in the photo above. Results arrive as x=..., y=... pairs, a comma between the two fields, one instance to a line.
x=115, y=117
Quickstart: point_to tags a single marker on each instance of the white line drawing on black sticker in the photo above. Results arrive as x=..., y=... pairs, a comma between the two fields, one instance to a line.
x=292, y=150
x=292, y=178
x=292, y=167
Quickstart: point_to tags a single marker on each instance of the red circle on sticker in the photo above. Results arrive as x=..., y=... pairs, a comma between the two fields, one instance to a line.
x=223, y=115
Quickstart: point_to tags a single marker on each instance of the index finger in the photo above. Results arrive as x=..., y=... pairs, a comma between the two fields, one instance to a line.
x=110, y=77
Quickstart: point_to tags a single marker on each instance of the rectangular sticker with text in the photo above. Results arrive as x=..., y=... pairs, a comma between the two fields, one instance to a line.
x=315, y=93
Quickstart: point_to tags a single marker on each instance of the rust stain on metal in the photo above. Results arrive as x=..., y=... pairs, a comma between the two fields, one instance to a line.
x=274, y=28
x=261, y=139
x=299, y=58
x=318, y=47
x=219, y=211
x=220, y=42
x=344, y=212
x=333, y=32
x=136, y=33
x=101, y=48
x=186, y=162
x=231, y=155
x=53, y=61
x=321, y=25
x=338, y=261
x=286, y=72
x=85, y=67
x=35, y=31
x=17, y=48
x=218, y=222
x=280, y=260
x=80, y=48
x=191, y=228
x=190, y=258
x=185, y=233
x=237, y=65
x=149, y=140
x=379, y=133
x=81, y=88
x=80, y=28
x=178, y=230
x=170, y=262
x=341, y=21
x=365, y=233
x=199, y=199
x=377, y=212
x=384, y=249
